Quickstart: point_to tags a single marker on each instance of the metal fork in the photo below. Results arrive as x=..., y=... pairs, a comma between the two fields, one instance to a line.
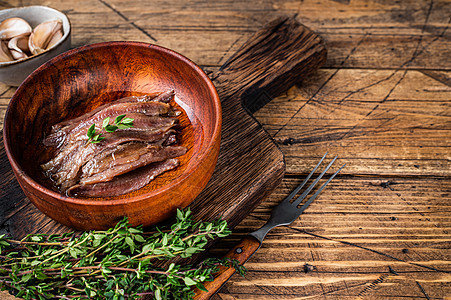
x=283, y=214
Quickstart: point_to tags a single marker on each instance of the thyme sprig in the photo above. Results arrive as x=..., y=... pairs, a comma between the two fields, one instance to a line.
x=120, y=122
x=118, y=263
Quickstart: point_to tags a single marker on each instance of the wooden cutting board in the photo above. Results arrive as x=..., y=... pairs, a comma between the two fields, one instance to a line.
x=250, y=164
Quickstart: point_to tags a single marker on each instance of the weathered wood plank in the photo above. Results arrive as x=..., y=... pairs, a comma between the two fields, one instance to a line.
x=348, y=248
x=377, y=34
x=381, y=121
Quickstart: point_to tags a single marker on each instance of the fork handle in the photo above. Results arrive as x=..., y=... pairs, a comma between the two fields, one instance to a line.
x=241, y=252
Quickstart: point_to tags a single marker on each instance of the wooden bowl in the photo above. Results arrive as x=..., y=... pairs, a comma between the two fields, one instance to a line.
x=81, y=79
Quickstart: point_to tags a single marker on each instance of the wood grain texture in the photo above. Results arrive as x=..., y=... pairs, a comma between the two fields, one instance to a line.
x=363, y=237
x=380, y=121
x=390, y=206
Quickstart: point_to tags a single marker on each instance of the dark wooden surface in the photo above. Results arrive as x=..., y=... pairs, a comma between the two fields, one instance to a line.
x=381, y=102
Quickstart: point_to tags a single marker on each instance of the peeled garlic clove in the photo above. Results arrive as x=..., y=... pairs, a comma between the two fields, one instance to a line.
x=19, y=43
x=12, y=27
x=18, y=46
x=5, y=55
x=42, y=35
x=17, y=54
x=55, y=39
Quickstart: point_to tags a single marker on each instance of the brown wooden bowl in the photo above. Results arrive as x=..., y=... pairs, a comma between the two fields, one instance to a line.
x=80, y=80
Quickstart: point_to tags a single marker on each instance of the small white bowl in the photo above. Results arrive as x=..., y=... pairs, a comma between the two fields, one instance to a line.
x=14, y=72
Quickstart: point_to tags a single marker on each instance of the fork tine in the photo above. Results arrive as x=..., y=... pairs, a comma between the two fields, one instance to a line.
x=285, y=213
x=305, y=193
x=307, y=203
x=296, y=190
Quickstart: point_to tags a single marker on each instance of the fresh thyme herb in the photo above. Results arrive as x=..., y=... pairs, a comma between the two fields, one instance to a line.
x=115, y=264
x=121, y=122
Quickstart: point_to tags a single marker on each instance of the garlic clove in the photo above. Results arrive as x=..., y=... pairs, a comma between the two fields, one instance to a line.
x=5, y=55
x=12, y=27
x=18, y=54
x=55, y=39
x=19, y=43
x=43, y=34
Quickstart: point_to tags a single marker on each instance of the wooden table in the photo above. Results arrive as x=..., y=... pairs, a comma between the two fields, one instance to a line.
x=381, y=103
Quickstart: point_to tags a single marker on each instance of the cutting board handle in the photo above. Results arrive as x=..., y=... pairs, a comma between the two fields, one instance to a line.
x=275, y=58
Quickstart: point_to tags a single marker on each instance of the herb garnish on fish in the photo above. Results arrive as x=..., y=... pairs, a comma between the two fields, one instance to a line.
x=121, y=122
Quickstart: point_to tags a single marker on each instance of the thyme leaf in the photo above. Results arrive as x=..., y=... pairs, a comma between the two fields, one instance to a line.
x=120, y=122
x=119, y=263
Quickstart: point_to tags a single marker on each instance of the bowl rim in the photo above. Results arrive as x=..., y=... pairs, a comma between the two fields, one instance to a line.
x=65, y=35
x=216, y=134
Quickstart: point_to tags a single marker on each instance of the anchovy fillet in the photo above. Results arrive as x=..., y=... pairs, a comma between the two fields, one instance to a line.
x=148, y=106
x=148, y=148
x=125, y=159
x=125, y=183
